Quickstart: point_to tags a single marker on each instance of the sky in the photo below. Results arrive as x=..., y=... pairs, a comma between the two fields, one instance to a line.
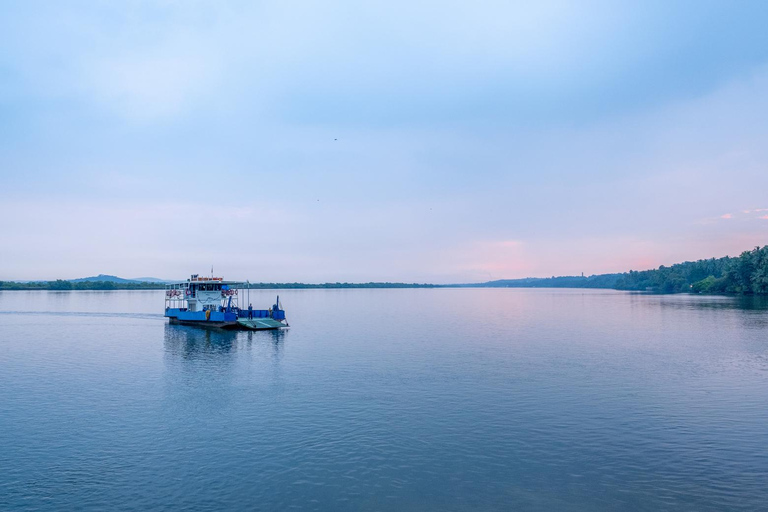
x=442, y=142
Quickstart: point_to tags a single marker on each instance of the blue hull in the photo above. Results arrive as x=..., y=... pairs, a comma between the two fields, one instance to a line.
x=220, y=319
x=199, y=316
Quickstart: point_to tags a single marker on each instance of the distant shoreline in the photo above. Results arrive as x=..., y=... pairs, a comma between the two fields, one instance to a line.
x=61, y=285
x=746, y=274
x=109, y=286
x=11, y=286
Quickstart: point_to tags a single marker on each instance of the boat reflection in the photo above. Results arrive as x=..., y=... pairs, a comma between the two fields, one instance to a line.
x=188, y=342
x=192, y=342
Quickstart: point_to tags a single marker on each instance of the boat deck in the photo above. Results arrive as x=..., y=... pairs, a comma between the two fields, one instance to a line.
x=257, y=324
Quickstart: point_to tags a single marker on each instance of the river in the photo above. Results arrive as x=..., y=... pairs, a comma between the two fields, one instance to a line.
x=409, y=399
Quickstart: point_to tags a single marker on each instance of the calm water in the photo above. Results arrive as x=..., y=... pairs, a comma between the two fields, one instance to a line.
x=466, y=399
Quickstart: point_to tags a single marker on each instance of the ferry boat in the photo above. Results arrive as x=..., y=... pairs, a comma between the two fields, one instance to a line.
x=214, y=302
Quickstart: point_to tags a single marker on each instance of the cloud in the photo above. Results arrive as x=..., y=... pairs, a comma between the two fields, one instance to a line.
x=744, y=214
x=510, y=62
x=163, y=81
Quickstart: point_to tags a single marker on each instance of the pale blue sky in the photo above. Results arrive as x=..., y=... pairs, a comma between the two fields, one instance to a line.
x=476, y=141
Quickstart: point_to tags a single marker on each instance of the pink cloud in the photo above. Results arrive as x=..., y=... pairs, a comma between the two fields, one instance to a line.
x=764, y=217
x=727, y=216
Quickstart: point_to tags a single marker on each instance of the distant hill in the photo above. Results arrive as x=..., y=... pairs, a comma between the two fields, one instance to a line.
x=104, y=278
x=148, y=280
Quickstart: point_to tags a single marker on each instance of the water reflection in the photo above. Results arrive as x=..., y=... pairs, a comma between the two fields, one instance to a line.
x=222, y=360
x=714, y=302
x=276, y=339
x=189, y=342
x=733, y=324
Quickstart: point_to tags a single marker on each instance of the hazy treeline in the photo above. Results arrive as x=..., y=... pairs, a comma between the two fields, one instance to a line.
x=596, y=281
x=273, y=286
x=745, y=274
x=60, y=284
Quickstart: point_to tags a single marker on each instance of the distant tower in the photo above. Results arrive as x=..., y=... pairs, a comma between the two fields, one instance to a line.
x=582, y=274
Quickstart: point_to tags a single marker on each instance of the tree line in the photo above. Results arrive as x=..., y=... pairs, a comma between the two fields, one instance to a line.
x=273, y=286
x=746, y=274
x=60, y=284
x=594, y=281
x=63, y=285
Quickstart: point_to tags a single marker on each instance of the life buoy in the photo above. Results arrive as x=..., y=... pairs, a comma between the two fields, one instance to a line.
x=188, y=293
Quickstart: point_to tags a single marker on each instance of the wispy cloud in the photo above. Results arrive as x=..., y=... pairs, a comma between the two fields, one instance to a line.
x=744, y=215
